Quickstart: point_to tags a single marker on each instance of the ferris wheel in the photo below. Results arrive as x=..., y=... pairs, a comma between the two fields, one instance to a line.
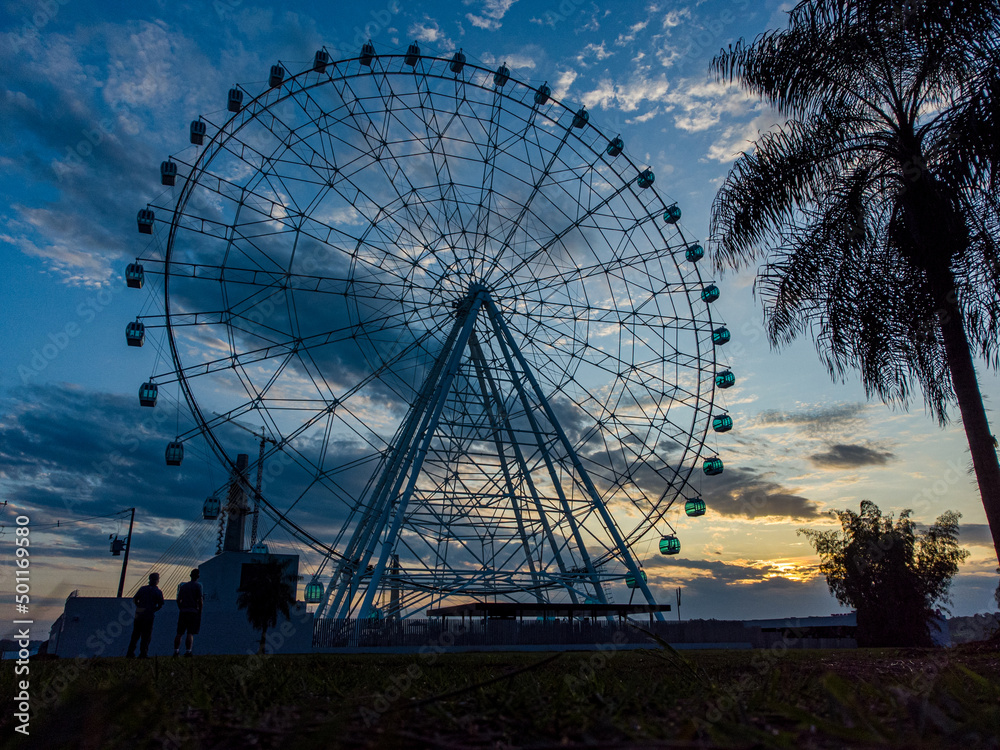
x=458, y=311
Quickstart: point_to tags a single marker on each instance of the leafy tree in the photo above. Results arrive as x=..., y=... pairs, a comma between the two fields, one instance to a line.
x=873, y=209
x=266, y=591
x=891, y=574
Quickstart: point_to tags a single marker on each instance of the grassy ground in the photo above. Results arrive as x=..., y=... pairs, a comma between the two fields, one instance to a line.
x=621, y=699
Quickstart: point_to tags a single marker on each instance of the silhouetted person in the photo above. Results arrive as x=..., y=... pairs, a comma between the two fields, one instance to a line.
x=148, y=601
x=190, y=598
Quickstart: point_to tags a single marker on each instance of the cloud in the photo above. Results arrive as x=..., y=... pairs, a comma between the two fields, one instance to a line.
x=429, y=31
x=748, y=493
x=674, y=17
x=593, y=53
x=976, y=534
x=490, y=14
x=629, y=36
x=816, y=417
x=844, y=456
x=739, y=138
x=628, y=96
x=563, y=83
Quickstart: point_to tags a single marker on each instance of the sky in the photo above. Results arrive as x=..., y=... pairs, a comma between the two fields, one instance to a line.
x=95, y=95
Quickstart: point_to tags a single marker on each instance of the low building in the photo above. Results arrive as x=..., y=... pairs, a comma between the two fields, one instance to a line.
x=102, y=626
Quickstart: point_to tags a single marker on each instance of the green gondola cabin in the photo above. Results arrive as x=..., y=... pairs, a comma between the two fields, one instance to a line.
x=670, y=545
x=722, y=423
x=713, y=466
x=631, y=581
x=314, y=592
x=694, y=507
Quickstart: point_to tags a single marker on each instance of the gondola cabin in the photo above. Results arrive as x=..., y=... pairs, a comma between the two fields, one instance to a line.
x=314, y=592
x=412, y=55
x=147, y=394
x=581, y=118
x=646, y=179
x=168, y=173
x=175, y=453
x=725, y=379
x=721, y=336
x=722, y=423
x=542, y=94
x=694, y=507
x=694, y=253
x=501, y=77
x=710, y=293
x=670, y=545
x=457, y=62
x=211, y=509
x=367, y=54
x=198, y=129
x=135, y=276
x=145, y=219
x=235, y=100
x=135, y=333
x=277, y=76
x=320, y=60
x=615, y=147
x=713, y=466
x=672, y=215
x=632, y=583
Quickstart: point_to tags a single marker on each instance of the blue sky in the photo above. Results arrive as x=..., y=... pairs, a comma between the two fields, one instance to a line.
x=95, y=95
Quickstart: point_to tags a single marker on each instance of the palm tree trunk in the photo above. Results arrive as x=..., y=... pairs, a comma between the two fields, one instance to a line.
x=970, y=402
x=263, y=636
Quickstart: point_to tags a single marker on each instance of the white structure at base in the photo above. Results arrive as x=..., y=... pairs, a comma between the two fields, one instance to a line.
x=102, y=626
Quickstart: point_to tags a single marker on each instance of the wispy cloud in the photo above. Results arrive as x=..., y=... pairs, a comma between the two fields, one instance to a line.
x=491, y=13
x=844, y=456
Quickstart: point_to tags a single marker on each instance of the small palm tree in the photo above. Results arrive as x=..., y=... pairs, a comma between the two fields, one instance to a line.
x=265, y=593
x=873, y=209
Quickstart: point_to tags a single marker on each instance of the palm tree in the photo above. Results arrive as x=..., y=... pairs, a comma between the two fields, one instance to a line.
x=872, y=210
x=264, y=593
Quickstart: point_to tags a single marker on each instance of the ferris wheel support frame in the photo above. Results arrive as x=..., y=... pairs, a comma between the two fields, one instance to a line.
x=416, y=443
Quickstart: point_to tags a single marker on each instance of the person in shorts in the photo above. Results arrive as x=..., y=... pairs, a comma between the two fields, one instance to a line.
x=190, y=598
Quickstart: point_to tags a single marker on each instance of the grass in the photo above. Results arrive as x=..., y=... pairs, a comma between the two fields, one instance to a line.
x=656, y=698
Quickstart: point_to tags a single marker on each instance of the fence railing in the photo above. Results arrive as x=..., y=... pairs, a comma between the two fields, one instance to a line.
x=335, y=633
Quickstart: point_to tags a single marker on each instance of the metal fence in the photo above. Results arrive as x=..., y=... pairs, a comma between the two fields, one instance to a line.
x=414, y=633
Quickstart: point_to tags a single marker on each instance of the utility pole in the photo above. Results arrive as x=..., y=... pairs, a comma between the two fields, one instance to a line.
x=678, y=604
x=128, y=546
